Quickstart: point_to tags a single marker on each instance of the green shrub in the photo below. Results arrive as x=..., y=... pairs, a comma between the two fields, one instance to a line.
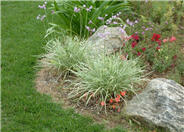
x=163, y=58
x=84, y=17
x=64, y=55
x=105, y=77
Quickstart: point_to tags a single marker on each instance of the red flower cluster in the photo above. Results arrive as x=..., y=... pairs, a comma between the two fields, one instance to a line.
x=114, y=102
x=155, y=37
x=143, y=49
x=135, y=37
x=172, y=39
x=134, y=43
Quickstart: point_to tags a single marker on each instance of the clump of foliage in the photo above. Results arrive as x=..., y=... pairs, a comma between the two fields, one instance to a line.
x=82, y=18
x=149, y=42
x=106, y=78
x=64, y=55
x=168, y=14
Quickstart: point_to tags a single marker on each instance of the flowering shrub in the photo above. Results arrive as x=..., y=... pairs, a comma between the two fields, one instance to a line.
x=84, y=17
x=64, y=55
x=106, y=79
x=148, y=43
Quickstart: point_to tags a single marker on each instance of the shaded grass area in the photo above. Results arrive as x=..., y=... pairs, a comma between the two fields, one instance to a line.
x=24, y=109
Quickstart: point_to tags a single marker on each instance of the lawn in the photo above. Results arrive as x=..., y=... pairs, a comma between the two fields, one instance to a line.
x=23, y=108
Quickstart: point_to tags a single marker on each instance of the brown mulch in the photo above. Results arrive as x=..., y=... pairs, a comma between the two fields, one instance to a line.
x=47, y=82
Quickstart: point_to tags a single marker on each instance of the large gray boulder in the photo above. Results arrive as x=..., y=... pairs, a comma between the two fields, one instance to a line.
x=106, y=40
x=160, y=104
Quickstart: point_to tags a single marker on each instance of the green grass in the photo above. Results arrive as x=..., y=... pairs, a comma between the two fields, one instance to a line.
x=23, y=108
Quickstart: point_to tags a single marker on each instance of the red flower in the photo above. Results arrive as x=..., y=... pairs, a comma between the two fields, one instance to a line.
x=118, y=96
x=157, y=48
x=159, y=42
x=117, y=100
x=143, y=49
x=138, y=53
x=111, y=101
x=174, y=57
x=165, y=40
x=102, y=103
x=172, y=65
x=136, y=37
x=172, y=39
x=155, y=37
x=113, y=106
x=123, y=44
x=134, y=44
x=123, y=93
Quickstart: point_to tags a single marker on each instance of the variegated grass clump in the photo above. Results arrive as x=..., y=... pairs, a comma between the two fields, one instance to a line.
x=105, y=77
x=64, y=55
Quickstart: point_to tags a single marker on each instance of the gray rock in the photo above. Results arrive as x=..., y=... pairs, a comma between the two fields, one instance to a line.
x=160, y=104
x=106, y=40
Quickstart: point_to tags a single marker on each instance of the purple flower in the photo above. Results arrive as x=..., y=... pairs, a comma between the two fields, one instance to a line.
x=90, y=22
x=105, y=26
x=76, y=9
x=136, y=21
x=124, y=26
x=52, y=12
x=122, y=30
x=114, y=16
x=89, y=9
x=93, y=30
x=147, y=29
x=142, y=33
x=109, y=21
x=38, y=17
x=101, y=18
x=115, y=23
x=136, y=32
x=88, y=28
x=42, y=18
x=129, y=22
x=42, y=7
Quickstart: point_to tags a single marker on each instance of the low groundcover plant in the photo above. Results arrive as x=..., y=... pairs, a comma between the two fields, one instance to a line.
x=105, y=78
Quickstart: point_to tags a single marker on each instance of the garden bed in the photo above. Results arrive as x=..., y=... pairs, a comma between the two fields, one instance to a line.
x=47, y=82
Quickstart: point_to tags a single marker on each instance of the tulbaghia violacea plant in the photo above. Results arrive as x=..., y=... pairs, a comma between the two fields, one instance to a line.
x=84, y=17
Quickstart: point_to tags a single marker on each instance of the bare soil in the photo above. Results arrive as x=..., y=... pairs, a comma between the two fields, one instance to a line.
x=47, y=82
